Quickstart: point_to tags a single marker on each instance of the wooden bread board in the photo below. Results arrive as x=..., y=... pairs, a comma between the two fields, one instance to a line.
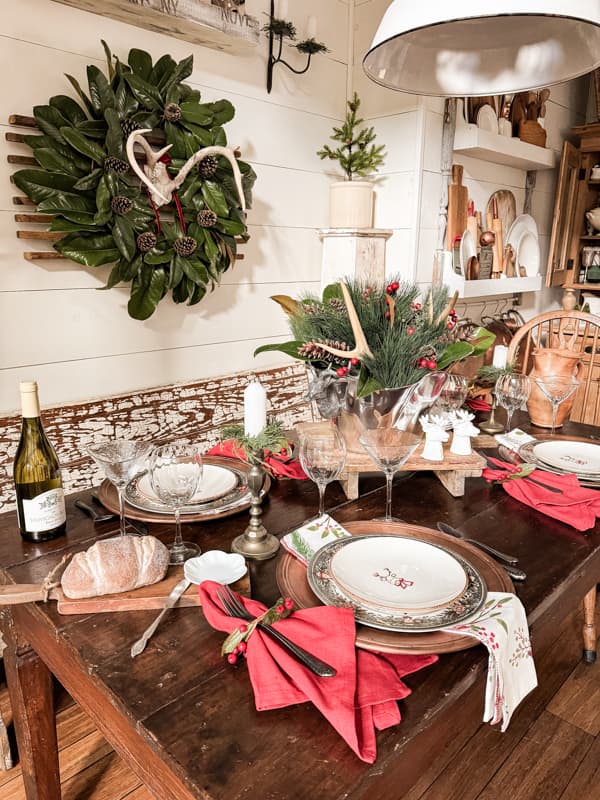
x=457, y=206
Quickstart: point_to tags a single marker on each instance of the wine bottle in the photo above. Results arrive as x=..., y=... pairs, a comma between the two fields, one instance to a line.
x=36, y=472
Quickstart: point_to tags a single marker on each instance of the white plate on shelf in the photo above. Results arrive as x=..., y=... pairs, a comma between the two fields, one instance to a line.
x=528, y=254
x=467, y=249
x=524, y=223
x=582, y=458
x=487, y=119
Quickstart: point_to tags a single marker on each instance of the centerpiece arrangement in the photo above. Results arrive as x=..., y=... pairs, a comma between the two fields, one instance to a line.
x=376, y=352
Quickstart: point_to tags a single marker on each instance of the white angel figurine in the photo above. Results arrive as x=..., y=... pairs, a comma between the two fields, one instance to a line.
x=463, y=429
x=434, y=436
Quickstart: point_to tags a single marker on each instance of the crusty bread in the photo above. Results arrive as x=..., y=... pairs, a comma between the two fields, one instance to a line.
x=115, y=565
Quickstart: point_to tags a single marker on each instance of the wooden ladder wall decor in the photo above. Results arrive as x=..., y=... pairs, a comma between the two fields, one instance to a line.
x=31, y=216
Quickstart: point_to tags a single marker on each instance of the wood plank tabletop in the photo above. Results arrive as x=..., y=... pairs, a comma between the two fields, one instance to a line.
x=185, y=720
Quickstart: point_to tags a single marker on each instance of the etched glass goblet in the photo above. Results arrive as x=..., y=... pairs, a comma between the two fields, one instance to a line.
x=175, y=475
x=512, y=390
x=557, y=389
x=323, y=456
x=390, y=448
x=121, y=460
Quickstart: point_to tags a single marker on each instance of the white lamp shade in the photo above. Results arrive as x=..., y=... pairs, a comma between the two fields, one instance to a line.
x=434, y=48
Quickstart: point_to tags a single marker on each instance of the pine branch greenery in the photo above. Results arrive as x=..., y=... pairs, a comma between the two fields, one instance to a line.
x=271, y=439
x=489, y=375
x=356, y=153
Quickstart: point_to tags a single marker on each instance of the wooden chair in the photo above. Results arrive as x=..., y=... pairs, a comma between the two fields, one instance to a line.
x=582, y=333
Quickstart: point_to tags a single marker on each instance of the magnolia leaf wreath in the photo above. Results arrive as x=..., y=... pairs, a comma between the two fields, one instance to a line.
x=97, y=201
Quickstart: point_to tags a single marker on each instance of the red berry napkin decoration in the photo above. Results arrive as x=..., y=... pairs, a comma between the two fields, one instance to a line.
x=235, y=644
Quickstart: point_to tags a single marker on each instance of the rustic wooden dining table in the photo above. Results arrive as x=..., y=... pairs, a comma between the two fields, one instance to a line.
x=184, y=720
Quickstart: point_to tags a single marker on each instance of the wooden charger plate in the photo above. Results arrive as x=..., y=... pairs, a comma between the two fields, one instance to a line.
x=292, y=580
x=109, y=498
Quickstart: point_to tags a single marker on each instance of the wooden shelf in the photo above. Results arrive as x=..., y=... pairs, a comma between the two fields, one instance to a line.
x=591, y=238
x=483, y=288
x=472, y=141
x=585, y=287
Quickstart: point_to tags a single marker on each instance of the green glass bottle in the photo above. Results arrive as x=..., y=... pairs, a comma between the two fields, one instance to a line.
x=36, y=472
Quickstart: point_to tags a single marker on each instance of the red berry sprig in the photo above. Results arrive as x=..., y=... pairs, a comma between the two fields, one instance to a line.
x=341, y=372
x=236, y=644
x=392, y=288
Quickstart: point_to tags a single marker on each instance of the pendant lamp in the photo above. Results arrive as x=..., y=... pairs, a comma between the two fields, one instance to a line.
x=432, y=47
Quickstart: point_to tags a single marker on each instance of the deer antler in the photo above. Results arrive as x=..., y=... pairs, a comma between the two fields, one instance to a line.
x=228, y=153
x=361, y=347
x=450, y=305
x=154, y=168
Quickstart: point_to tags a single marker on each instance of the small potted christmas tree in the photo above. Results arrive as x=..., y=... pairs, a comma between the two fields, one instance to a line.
x=351, y=200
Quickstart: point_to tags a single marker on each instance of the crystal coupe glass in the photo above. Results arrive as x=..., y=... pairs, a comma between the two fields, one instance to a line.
x=390, y=448
x=121, y=460
x=557, y=389
x=175, y=475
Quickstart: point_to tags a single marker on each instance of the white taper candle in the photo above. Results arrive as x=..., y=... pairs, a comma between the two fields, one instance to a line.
x=282, y=9
x=255, y=408
x=311, y=27
x=499, y=357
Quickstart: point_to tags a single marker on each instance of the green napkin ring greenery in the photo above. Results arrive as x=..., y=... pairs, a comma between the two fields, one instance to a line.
x=86, y=183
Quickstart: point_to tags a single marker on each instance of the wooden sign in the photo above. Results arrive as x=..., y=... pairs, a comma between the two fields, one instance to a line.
x=220, y=24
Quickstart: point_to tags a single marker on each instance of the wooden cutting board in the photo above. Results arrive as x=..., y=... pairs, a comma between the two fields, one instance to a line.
x=507, y=210
x=146, y=597
x=457, y=206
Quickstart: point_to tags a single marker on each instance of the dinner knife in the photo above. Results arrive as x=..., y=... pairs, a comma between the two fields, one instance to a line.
x=139, y=646
x=514, y=572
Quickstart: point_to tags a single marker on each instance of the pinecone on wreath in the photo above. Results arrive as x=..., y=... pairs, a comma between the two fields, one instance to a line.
x=146, y=241
x=128, y=126
x=185, y=247
x=121, y=205
x=206, y=218
x=172, y=112
x=116, y=165
x=207, y=167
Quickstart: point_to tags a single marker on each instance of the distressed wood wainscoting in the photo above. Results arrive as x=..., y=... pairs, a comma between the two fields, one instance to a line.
x=192, y=412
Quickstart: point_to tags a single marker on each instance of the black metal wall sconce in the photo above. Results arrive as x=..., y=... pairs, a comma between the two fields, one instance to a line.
x=280, y=29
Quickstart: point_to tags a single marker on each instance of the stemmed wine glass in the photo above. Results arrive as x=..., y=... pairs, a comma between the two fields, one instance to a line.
x=121, y=460
x=557, y=389
x=323, y=456
x=453, y=394
x=175, y=474
x=390, y=448
x=511, y=391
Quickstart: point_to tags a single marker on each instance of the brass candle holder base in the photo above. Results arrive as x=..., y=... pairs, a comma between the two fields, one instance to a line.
x=491, y=425
x=256, y=542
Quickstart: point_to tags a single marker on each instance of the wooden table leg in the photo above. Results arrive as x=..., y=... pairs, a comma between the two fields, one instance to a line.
x=589, y=626
x=30, y=689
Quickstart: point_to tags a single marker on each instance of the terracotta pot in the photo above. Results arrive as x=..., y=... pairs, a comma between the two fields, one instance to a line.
x=549, y=361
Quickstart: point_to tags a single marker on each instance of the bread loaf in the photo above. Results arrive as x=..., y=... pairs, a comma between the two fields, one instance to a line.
x=115, y=565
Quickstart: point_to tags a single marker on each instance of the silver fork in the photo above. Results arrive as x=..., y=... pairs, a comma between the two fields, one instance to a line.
x=234, y=608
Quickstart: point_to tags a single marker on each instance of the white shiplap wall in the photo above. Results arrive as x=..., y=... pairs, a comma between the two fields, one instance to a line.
x=79, y=343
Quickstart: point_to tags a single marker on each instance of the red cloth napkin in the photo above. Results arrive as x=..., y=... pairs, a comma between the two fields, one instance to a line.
x=478, y=404
x=280, y=465
x=576, y=506
x=360, y=699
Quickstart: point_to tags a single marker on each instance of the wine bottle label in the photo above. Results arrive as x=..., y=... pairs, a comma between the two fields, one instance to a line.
x=44, y=512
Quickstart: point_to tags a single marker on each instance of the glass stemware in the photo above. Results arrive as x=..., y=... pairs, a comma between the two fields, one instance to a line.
x=453, y=394
x=390, y=448
x=512, y=390
x=121, y=460
x=557, y=389
x=175, y=474
x=323, y=456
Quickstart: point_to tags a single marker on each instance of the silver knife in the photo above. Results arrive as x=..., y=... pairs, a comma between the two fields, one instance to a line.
x=515, y=573
x=171, y=601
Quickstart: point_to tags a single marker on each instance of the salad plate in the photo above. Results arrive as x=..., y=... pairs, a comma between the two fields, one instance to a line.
x=582, y=458
x=216, y=482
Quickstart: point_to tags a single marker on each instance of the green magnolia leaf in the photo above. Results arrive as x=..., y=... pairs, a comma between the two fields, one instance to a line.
x=214, y=199
x=219, y=137
x=55, y=162
x=129, y=269
x=368, y=387
x=115, y=144
x=48, y=143
x=50, y=121
x=93, y=129
x=101, y=94
x=85, y=99
x=202, y=135
x=113, y=278
x=197, y=295
x=125, y=102
x=223, y=112
x=91, y=250
x=38, y=185
x=162, y=71
x=109, y=60
x=182, y=71
x=482, y=341
x=147, y=290
x=103, y=198
x=144, y=92
x=140, y=62
x=84, y=145
x=197, y=113
x=175, y=137
x=60, y=224
x=73, y=207
x=89, y=182
x=454, y=352
x=70, y=110
x=124, y=238
x=155, y=258
x=193, y=269
x=231, y=226
x=175, y=275
x=289, y=348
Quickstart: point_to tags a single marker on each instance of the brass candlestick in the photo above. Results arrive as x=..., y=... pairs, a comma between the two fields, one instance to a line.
x=256, y=542
x=491, y=425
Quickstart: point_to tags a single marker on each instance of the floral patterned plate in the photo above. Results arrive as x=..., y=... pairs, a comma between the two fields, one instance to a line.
x=578, y=457
x=329, y=591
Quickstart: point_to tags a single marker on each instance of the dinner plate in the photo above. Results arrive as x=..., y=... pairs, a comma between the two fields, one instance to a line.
x=591, y=481
x=524, y=223
x=580, y=457
x=399, y=574
x=327, y=589
x=467, y=250
x=216, y=482
x=527, y=251
x=487, y=119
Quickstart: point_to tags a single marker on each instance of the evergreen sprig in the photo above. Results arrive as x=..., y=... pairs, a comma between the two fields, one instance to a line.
x=356, y=153
x=272, y=439
x=491, y=374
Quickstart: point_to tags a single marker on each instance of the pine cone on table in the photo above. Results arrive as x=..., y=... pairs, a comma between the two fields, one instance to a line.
x=185, y=247
x=206, y=218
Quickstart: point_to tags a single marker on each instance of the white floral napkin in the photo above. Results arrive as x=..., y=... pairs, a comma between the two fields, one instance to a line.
x=501, y=626
x=514, y=439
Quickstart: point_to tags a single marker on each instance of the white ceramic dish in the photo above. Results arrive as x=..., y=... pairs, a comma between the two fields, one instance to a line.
x=523, y=223
x=487, y=119
x=468, y=248
x=528, y=254
x=398, y=574
x=582, y=458
x=215, y=565
x=216, y=482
